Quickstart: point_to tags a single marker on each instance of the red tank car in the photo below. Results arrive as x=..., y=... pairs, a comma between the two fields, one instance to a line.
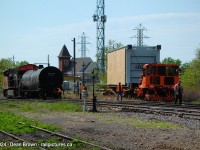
x=157, y=82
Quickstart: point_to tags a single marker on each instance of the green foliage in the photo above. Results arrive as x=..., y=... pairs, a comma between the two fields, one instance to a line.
x=20, y=63
x=8, y=63
x=191, y=76
x=170, y=60
x=101, y=86
x=102, y=76
x=184, y=66
x=110, y=46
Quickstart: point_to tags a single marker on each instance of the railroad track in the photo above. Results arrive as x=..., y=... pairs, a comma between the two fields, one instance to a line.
x=190, y=111
x=43, y=146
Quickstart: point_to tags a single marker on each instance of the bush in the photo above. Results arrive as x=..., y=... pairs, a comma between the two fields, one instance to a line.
x=191, y=95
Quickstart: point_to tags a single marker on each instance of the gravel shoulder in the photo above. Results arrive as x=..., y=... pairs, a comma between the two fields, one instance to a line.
x=126, y=130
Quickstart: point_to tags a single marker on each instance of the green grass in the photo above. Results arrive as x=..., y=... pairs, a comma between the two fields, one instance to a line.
x=42, y=107
x=153, y=124
x=9, y=123
x=144, y=123
x=197, y=101
x=9, y=120
x=60, y=106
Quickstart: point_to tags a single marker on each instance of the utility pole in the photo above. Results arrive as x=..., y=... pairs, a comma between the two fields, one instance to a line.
x=140, y=36
x=83, y=80
x=48, y=61
x=74, y=43
x=101, y=19
x=83, y=43
x=94, y=108
x=13, y=59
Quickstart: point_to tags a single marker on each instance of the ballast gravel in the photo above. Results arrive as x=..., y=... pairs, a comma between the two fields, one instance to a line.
x=126, y=130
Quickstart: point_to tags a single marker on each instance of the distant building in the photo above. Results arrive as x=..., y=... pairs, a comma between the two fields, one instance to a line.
x=66, y=65
x=64, y=60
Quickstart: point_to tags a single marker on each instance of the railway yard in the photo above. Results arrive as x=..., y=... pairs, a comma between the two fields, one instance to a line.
x=127, y=124
x=127, y=99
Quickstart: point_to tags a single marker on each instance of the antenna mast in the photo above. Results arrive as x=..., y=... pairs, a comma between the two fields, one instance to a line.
x=100, y=18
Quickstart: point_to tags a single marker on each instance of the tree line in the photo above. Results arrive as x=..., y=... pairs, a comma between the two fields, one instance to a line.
x=190, y=72
x=6, y=63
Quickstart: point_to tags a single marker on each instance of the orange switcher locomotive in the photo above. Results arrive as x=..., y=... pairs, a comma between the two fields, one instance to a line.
x=157, y=82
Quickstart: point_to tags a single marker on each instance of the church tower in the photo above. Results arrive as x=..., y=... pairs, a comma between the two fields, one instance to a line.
x=64, y=59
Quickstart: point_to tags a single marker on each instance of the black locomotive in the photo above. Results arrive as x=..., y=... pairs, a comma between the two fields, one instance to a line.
x=32, y=81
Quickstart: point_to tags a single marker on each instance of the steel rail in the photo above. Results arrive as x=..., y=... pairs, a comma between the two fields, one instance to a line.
x=66, y=137
x=18, y=138
x=184, y=111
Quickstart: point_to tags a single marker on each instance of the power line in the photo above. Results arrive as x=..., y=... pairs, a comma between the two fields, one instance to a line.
x=83, y=43
x=140, y=36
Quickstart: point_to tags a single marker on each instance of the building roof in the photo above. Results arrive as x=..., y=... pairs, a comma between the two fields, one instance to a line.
x=64, y=52
x=89, y=65
x=79, y=63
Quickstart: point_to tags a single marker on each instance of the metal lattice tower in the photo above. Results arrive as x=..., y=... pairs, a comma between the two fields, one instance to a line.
x=140, y=36
x=100, y=18
x=83, y=43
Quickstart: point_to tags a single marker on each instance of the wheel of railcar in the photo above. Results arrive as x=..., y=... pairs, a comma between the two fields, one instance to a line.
x=144, y=91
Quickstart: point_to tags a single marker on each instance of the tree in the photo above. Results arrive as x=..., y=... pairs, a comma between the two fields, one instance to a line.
x=8, y=63
x=21, y=63
x=102, y=76
x=191, y=76
x=110, y=47
x=170, y=60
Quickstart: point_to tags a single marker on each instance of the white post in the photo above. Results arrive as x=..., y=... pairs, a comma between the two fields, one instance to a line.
x=84, y=97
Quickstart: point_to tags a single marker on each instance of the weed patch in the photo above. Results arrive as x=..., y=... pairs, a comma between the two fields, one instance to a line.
x=40, y=106
x=143, y=123
x=9, y=123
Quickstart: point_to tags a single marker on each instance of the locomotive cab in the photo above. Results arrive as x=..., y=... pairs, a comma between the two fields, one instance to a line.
x=157, y=81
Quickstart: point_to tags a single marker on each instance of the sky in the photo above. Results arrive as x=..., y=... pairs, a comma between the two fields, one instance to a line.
x=33, y=29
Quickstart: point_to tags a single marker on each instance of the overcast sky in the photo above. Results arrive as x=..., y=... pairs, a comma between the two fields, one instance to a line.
x=33, y=29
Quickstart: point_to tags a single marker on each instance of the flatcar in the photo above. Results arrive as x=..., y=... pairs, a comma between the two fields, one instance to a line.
x=32, y=81
x=157, y=82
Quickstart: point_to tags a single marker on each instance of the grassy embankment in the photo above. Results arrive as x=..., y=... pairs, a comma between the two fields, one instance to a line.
x=9, y=119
